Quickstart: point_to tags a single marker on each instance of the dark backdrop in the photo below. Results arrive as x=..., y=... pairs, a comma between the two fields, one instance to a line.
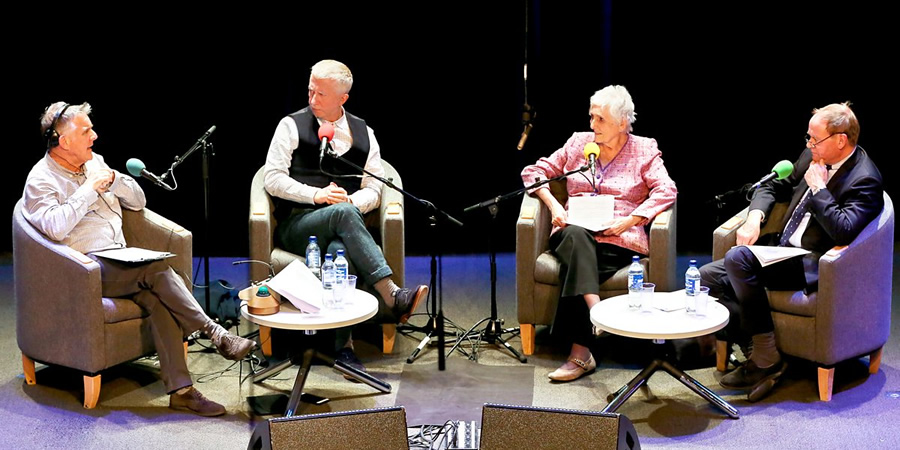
x=726, y=92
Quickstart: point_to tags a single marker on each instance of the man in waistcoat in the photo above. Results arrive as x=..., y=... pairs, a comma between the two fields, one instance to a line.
x=327, y=198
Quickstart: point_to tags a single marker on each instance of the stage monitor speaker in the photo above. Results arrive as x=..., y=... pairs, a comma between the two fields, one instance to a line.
x=380, y=428
x=518, y=427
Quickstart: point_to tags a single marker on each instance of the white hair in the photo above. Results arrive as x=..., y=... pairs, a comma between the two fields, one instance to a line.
x=330, y=69
x=619, y=102
x=66, y=118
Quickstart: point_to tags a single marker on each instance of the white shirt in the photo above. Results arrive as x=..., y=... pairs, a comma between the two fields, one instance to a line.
x=278, y=180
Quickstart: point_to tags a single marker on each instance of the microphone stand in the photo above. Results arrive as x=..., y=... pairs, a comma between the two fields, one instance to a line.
x=435, y=323
x=207, y=150
x=493, y=332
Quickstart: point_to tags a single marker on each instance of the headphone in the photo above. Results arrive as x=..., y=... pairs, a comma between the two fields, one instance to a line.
x=51, y=135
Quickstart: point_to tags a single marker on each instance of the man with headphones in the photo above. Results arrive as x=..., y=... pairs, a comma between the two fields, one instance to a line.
x=74, y=198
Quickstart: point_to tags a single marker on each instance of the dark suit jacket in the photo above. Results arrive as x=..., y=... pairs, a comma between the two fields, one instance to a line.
x=852, y=199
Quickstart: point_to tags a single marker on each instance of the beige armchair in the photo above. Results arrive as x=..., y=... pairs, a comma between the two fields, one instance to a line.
x=848, y=317
x=537, y=269
x=388, y=219
x=61, y=316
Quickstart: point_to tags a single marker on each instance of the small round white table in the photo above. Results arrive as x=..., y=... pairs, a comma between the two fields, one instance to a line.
x=358, y=306
x=613, y=315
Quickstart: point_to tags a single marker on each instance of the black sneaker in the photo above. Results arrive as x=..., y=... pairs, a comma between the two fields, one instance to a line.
x=348, y=358
x=406, y=301
x=749, y=376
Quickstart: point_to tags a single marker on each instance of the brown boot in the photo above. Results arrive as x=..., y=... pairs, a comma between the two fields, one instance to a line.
x=194, y=401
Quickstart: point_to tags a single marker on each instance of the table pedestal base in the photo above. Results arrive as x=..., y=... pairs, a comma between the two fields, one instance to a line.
x=297, y=394
x=618, y=398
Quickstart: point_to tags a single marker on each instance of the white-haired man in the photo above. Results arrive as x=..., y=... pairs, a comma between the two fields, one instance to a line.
x=74, y=198
x=319, y=199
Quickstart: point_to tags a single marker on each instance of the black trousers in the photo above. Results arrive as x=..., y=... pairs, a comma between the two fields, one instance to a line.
x=740, y=283
x=585, y=265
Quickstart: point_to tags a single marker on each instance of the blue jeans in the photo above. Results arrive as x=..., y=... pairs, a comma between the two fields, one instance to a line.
x=338, y=226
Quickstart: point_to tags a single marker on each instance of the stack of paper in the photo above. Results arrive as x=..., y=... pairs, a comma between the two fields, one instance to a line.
x=298, y=284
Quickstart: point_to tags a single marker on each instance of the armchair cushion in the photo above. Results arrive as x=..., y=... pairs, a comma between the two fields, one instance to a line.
x=119, y=310
x=793, y=302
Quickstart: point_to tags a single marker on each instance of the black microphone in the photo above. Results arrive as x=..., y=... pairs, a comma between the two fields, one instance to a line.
x=137, y=168
x=781, y=171
x=326, y=134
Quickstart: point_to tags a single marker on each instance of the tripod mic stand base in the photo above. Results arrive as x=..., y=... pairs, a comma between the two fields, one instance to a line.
x=492, y=334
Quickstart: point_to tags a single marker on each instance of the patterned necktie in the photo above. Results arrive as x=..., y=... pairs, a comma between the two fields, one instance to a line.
x=796, y=218
x=799, y=212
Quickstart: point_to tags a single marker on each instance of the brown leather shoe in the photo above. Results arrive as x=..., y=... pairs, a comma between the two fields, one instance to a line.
x=583, y=368
x=406, y=301
x=194, y=401
x=234, y=347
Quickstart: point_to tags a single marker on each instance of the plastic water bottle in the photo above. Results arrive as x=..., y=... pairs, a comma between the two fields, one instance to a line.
x=313, y=260
x=635, y=282
x=340, y=278
x=691, y=286
x=340, y=267
x=328, y=282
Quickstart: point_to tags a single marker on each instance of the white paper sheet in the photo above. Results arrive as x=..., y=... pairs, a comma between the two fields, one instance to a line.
x=298, y=284
x=133, y=254
x=767, y=254
x=592, y=212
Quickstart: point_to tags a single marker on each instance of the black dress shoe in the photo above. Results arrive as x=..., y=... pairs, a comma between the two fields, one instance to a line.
x=406, y=301
x=749, y=376
x=348, y=358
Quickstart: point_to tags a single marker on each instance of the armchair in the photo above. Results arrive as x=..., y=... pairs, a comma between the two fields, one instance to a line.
x=850, y=314
x=61, y=316
x=537, y=268
x=388, y=219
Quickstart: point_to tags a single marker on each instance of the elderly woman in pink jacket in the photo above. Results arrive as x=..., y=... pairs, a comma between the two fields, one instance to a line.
x=628, y=167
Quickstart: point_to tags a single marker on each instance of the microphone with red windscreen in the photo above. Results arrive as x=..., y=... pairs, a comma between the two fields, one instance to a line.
x=326, y=134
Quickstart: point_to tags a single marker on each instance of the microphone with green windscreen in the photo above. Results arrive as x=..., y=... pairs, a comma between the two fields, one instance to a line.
x=782, y=170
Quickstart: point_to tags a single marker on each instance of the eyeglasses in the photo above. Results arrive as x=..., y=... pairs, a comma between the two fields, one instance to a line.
x=813, y=142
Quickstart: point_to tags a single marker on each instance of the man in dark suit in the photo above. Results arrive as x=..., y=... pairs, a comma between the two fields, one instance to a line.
x=835, y=190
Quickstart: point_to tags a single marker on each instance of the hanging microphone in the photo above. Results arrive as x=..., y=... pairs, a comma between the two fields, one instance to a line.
x=326, y=134
x=524, y=136
x=782, y=170
x=137, y=168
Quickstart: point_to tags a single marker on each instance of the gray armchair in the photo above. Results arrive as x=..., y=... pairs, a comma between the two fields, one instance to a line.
x=388, y=219
x=849, y=316
x=61, y=316
x=537, y=269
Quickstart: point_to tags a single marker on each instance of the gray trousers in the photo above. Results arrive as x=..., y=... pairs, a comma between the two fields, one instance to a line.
x=174, y=313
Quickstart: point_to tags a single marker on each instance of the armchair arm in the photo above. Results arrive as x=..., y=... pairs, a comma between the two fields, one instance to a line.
x=662, y=251
x=853, y=308
x=725, y=236
x=532, y=239
x=150, y=230
x=58, y=301
x=391, y=213
x=261, y=227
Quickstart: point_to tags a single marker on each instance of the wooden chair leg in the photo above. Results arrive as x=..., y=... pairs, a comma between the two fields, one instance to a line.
x=28, y=369
x=826, y=380
x=526, y=331
x=722, y=354
x=875, y=361
x=265, y=340
x=185, y=350
x=91, y=391
x=389, y=332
